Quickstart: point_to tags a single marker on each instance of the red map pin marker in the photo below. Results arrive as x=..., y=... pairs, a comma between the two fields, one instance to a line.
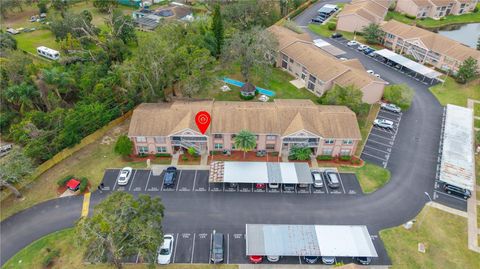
x=202, y=119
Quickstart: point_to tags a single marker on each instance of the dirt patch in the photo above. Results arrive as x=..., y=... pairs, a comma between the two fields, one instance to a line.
x=19, y=18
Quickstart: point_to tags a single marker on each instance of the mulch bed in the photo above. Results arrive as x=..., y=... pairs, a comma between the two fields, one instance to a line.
x=135, y=158
x=338, y=162
x=237, y=156
x=191, y=160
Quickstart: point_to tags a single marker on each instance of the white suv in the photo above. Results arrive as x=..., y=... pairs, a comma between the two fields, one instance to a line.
x=383, y=123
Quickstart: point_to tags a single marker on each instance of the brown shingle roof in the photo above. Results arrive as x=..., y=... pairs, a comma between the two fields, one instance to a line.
x=442, y=2
x=283, y=116
x=422, y=3
x=432, y=41
x=286, y=36
x=372, y=10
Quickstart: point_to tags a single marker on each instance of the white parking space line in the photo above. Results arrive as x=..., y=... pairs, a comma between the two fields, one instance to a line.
x=228, y=248
x=161, y=187
x=114, y=185
x=391, y=138
x=341, y=183
x=391, y=113
x=386, y=152
x=209, y=252
x=374, y=141
x=133, y=178
x=194, y=179
x=178, y=181
x=375, y=156
x=299, y=260
x=148, y=180
x=193, y=248
x=449, y=195
x=386, y=118
x=384, y=130
x=175, y=248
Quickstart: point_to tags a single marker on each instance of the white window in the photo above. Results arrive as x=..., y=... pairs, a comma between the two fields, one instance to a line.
x=218, y=136
x=345, y=152
x=329, y=141
x=141, y=139
x=270, y=146
x=347, y=142
x=271, y=137
x=160, y=139
x=218, y=146
x=327, y=152
x=161, y=149
x=142, y=149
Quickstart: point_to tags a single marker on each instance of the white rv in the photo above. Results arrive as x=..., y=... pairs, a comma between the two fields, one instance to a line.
x=48, y=53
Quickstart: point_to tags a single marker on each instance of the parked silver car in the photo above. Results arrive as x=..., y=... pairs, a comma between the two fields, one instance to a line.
x=388, y=124
x=317, y=179
x=124, y=176
x=391, y=107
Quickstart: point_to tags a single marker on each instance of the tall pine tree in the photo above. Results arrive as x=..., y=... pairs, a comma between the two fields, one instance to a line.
x=217, y=29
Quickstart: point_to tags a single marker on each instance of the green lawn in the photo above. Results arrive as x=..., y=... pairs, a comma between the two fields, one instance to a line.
x=477, y=123
x=365, y=123
x=30, y=41
x=277, y=80
x=445, y=238
x=476, y=108
x=371, y=176
x=453, y=93
x=71, y=255
x=430, y=23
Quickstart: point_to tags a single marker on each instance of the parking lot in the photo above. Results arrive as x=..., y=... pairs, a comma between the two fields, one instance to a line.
x=143, y=180
x=380, y=140
x=189, y=247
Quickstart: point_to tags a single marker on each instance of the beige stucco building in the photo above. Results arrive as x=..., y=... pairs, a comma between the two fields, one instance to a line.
x=427, y=47
x=435, y=9
x=360, y=13
x=278, y=125
x=319, y=70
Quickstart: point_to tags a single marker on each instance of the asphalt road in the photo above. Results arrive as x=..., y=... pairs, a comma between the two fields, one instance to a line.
x=412, y=163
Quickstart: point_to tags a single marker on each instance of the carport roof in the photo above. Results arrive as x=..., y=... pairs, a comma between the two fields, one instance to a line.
x=456, y=167
x=309, y=240
x=412, y=65
x=324, y=45
x=260, y=172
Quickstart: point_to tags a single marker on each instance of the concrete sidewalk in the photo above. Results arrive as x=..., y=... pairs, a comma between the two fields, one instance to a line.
x=473, y=231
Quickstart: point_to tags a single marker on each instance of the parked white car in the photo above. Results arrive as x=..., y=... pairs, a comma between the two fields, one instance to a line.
x=383, y=123
x=362, y=47
x=371, y=72
x=391, y=107
x=377, y=75
x=273, y=258
x=352, y=43
x=165, y=251
x=124, y=176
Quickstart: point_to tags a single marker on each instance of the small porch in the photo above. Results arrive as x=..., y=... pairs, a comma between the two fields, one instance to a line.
x=199, y=143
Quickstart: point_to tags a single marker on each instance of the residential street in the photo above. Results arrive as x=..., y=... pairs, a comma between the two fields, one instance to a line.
x=412, y=163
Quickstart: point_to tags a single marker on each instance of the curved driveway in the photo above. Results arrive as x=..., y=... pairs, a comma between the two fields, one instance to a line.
x=412, y=164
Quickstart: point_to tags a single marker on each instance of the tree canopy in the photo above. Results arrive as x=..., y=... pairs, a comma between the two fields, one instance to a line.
x=348, y=96
x=400, y=95
x=123, y=146
x=122, y=226
x=373, y=33
x=467, y=71
x=14, y=168
x=245, y=141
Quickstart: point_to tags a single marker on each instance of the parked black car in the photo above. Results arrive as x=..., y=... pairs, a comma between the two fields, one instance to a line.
x=336, y=35
x=364, y=260
x=216, y=253
x=450, y=189
x=169, y=176
x=288, y=187
x=311, y=259
x=317, y=20
x=332, y=179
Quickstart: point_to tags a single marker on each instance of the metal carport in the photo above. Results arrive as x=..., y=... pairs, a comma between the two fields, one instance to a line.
x=406, y=63
x=309, y=240
x=260, y=172
x=457, y=161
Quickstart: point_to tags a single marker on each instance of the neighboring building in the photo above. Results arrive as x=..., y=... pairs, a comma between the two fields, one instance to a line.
x=148, y=19
x=435, y=9
x=360, y=13
x=321, y=71
x=278, y=125
x=426, y=47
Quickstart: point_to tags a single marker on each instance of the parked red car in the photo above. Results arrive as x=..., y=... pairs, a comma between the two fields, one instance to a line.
x=256, y=259
x=260, y=186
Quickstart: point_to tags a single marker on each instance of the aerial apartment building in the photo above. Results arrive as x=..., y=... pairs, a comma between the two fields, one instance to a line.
x=278, y=126
x=435, y=9
x=319, y=70
x=360, y=13
x=426, y=47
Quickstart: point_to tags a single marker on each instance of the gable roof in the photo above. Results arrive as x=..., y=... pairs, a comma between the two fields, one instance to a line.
x=287, y=37
x=432, y=41
x=371, y=10
x=282, y=117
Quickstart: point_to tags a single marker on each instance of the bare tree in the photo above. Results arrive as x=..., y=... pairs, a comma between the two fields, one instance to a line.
x=13, y=169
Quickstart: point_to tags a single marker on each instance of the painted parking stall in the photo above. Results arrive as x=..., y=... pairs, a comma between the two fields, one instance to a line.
x=378, y=147
x=144, y=181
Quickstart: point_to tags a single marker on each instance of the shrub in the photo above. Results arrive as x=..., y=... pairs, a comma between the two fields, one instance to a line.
x=410, y=16
x=274, y=153
x=163, y=155
x=50, y=257
x=83, y=184
x=324, y=158
x=184, y=158
x=332, y=26
x=61, y=182
x=141, y=155
x=345, y=158
x=123, y=146
x=216, y=152
x=300, y=153
x=400, y=95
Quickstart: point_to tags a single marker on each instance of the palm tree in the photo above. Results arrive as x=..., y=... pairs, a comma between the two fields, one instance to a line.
x=245, y=141
x=22, y=96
